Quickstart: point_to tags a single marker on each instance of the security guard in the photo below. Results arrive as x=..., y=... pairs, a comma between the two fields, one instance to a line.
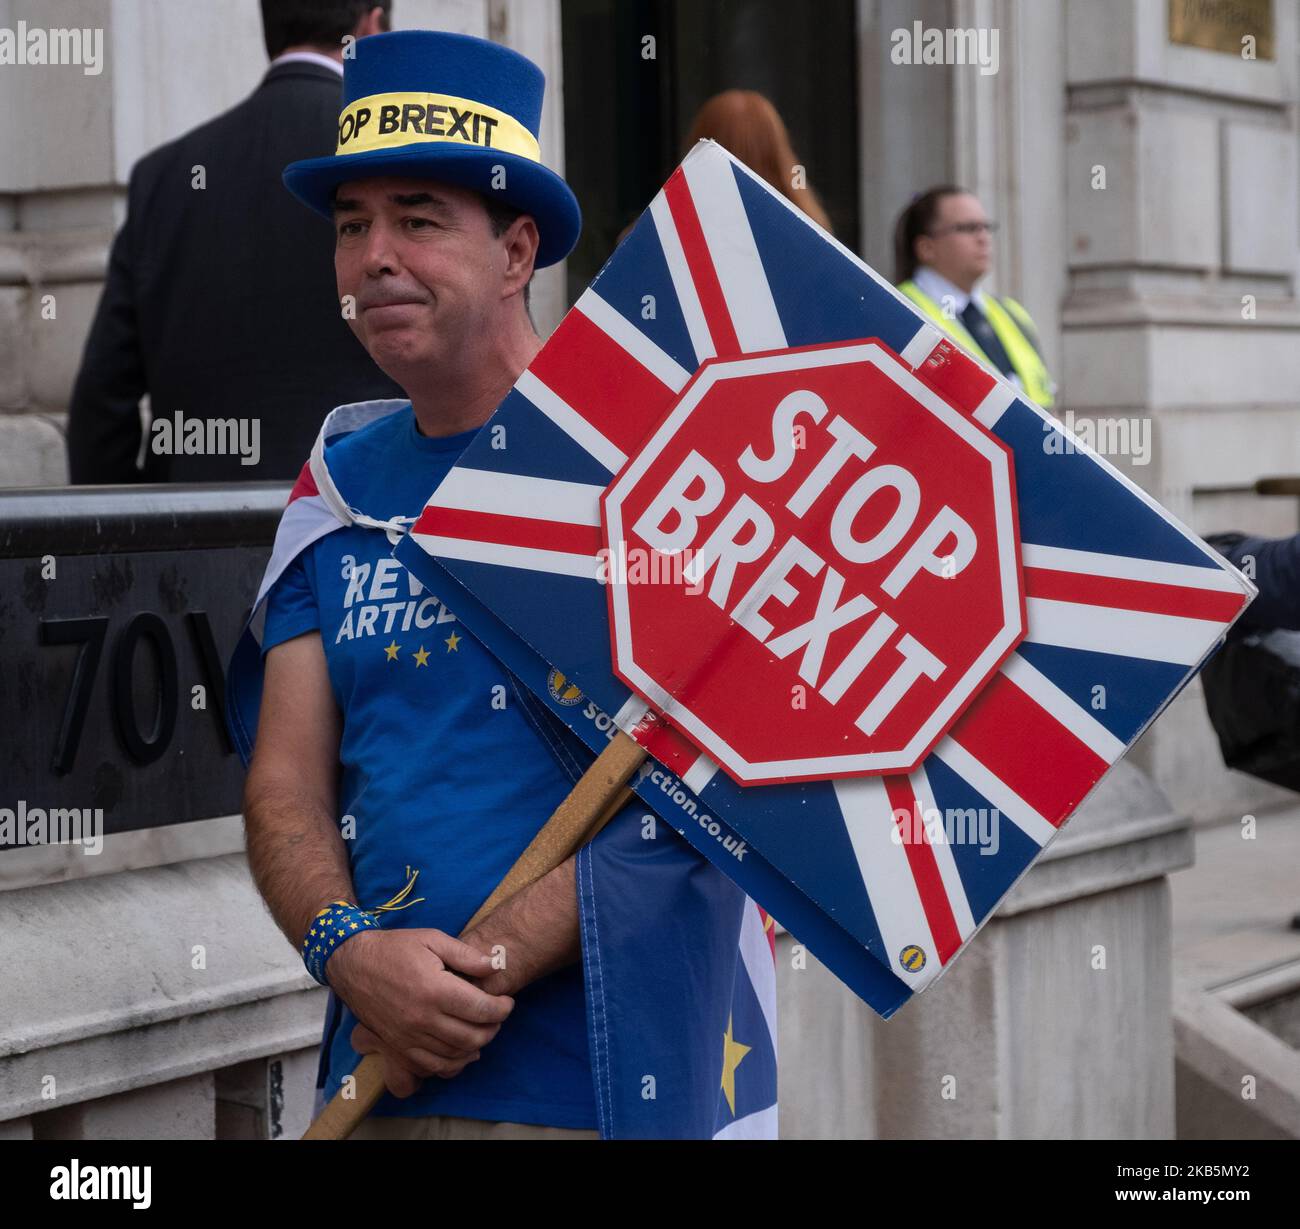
x=942, y=247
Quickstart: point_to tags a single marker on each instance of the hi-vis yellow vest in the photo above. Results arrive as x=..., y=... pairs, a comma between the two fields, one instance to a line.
x=1013, y=327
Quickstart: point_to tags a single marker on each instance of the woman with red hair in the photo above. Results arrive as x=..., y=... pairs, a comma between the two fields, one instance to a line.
x=746, y=124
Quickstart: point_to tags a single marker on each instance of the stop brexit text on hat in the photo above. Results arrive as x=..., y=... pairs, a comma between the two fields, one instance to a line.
x=896, y=635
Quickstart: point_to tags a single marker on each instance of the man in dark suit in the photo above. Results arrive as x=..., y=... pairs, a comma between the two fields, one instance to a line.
x=220, y=301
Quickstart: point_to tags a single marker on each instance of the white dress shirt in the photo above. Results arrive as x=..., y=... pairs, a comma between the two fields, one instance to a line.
x=938, y=287
x=308, y=57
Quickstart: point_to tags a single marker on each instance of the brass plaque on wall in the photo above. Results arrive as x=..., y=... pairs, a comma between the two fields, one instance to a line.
x=1221, y=25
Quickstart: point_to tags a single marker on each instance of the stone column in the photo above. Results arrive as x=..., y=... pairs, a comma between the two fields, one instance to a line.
x=904, y=113
x=532, y=27
x=1180, y=311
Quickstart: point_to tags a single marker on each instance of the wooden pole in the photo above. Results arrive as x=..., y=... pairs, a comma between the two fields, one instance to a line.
x=591, y=804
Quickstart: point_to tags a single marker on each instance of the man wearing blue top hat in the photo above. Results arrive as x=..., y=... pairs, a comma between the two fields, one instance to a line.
x=395, y=760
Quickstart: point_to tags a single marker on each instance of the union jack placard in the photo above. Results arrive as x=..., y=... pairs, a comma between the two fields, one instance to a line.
x=1098, y=606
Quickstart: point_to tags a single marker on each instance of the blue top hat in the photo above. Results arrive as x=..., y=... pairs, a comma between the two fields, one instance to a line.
x=426, y=105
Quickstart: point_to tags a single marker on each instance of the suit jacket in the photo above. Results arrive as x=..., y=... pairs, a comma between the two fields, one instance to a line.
x=220, y=301
x=1274, y=565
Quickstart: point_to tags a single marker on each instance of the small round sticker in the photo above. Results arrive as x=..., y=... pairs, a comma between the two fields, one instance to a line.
x=561, y=689
x=912, y=958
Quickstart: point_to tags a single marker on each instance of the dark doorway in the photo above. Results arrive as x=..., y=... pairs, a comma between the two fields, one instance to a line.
x=629, y=102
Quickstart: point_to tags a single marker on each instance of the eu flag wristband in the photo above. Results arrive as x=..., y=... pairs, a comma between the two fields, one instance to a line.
x=341, y=919
x=330, y=929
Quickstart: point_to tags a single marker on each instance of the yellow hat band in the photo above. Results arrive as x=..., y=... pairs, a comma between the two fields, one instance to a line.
x=385, y=121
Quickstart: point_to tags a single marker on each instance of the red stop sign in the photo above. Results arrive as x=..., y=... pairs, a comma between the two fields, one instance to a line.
x=813, y=564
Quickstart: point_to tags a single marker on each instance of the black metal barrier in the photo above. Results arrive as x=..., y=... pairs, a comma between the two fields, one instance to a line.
x=119, y=608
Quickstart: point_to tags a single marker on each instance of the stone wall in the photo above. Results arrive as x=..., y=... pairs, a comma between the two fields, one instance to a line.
x=1181, y=301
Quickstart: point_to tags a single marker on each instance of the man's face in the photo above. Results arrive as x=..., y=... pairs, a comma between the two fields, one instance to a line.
x=959, y=244
x=423, y=268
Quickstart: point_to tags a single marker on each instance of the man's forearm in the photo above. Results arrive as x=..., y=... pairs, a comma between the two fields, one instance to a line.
x=534, y=933
x=295, y=852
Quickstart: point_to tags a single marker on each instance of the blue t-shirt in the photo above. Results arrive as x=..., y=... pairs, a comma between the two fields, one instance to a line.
x=441, y=771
